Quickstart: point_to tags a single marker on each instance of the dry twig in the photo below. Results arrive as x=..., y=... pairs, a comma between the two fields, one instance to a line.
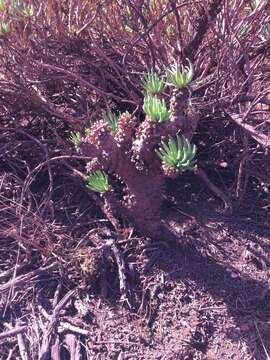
x=51, y=327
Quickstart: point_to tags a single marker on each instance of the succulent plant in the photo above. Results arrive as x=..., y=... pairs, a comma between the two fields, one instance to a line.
x=87, y=131
x=112, y=119
x=4, y=28
x=156, y=109
x=20, y=12
x=178, y=154
x=254, y=4
x=180, y=76
x=98, y=182
x=28, y=12
x=152, y=83
x=75, y=138
x=2, y=5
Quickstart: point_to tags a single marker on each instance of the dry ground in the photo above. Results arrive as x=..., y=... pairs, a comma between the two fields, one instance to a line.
x=207, y=297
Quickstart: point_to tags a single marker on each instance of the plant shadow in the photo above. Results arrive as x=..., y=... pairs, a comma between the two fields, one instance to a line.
x=204, y=259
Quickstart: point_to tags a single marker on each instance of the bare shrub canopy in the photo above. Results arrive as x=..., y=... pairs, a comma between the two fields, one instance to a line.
x=65, y=59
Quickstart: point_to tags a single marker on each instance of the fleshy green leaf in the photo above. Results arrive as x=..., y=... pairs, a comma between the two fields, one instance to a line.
x=177, y=154
x=4, y=28
x=98, y=182
x=152, y=83
x=112, y=119
x=2, y=5
x=156, y=109
x=180, y=76
x=75, y=138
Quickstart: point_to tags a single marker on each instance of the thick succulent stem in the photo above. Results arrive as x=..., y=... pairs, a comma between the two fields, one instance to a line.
x=183, y=114
x=143, y=202
x=130, y=156
x=112, y=208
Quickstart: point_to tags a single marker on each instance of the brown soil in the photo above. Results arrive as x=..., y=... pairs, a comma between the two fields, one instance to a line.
x=207, y=297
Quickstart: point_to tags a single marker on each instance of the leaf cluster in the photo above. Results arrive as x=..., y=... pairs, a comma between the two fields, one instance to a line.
x=75, y=138
x=180, y=76
x=98, y=182
x=152, y=83
x=178, y=154
x=156, y=109
x=112, y=119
